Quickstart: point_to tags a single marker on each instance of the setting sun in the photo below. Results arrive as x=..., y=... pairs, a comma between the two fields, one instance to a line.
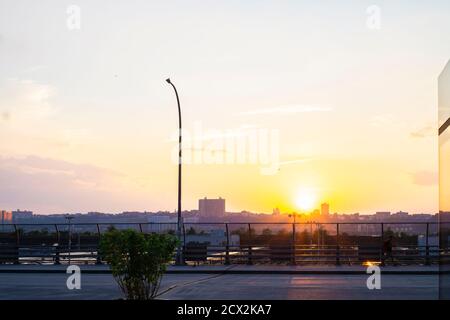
x=306, y=199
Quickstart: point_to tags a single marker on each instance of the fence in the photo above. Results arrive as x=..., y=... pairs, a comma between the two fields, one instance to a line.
x=234, y=243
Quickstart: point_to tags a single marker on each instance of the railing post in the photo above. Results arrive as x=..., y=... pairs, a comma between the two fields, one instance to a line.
x=319, y=240
x=382, y=245
x=227, y=248
x=250, y=260
x=16, y=256
x=58, y=240
x=427, y=244
x=293, y=260
x=99, y=259
x=311, y=240
x=184, y=244
x=338, y=249
x=140, y=227
x=17, y=235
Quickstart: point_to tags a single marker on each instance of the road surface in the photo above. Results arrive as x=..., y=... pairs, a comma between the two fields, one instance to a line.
x=224, y=286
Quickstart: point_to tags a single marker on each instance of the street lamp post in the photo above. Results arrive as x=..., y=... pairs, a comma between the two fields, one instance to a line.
x=179, y=256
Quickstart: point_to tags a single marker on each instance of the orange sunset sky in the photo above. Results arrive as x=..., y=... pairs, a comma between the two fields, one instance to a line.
x=88, y=123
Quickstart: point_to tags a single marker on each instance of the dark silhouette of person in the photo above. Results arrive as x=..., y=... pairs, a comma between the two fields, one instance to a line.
x=387, y=250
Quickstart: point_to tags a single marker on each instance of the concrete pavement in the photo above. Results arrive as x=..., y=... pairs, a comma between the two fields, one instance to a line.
x=227, y=282
x=305, y=287
x=38, y=286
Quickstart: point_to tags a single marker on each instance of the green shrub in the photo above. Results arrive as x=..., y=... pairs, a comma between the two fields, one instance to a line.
x=138, y=261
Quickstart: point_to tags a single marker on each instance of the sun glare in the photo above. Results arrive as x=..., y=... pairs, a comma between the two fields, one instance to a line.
x=306, y=199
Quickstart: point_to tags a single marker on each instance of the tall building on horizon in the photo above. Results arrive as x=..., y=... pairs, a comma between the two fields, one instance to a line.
x=325, y=209
x=211, y=207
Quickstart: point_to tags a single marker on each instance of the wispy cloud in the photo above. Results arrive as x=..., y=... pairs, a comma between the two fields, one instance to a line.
x=426, y=131
x=51, y=185
x=22, y=98
x=381, y=120
x=295, y=161
x=37, y=165
x=386, y=120
x=287, y=109
x=5, y=115
x=425, y=178
x=197, y=133
x=35, y=68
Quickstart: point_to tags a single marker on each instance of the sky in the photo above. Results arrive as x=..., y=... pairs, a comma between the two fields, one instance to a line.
x=283, y=102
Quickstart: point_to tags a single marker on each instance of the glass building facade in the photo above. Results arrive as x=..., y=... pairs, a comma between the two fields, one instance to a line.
x=444, y=179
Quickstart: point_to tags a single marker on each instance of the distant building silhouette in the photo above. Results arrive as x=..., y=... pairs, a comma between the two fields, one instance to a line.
x=382, y=215
x=18, y=215
x=401, y=214
x=324, y=209
x=211, y=207
x=5, y=216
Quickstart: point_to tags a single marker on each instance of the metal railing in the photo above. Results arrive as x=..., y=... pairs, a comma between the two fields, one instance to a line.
x=234, y=243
